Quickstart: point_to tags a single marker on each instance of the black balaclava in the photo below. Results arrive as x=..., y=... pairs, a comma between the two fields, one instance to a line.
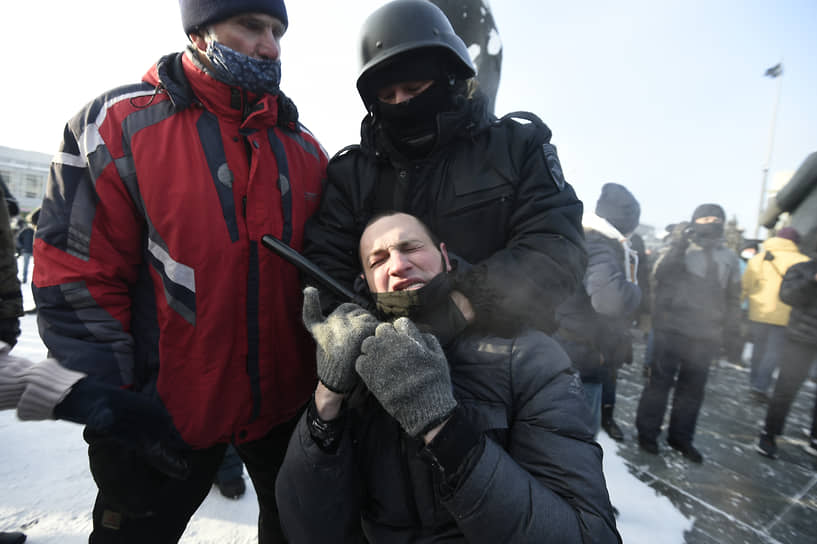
x=706, y=234
x=411, y=126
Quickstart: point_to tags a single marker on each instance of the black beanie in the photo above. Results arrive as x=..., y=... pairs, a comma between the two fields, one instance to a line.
x=709, y=210
x=200, y=13
x=618, y=206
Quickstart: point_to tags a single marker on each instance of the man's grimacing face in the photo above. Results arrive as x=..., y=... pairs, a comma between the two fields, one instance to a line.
x=398, y=254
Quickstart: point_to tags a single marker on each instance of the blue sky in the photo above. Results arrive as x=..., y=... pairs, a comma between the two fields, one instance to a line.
x=665, y=97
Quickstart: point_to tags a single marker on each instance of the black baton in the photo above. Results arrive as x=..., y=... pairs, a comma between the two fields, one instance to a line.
x=311, y=269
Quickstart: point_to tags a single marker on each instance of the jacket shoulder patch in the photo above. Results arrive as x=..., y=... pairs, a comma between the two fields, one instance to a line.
x=554, y=166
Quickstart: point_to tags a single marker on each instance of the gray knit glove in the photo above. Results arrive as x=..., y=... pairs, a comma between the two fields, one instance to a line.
x=34, y=389
x=13, y=372
x=338, y=338
x=407, y=372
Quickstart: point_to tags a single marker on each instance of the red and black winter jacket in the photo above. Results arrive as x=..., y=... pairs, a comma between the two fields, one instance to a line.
x=150, y=273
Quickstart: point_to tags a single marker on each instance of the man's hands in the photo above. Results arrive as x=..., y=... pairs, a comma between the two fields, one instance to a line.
x=134, y=419
x=408, y=373
x=404, y=369
x=338, y=337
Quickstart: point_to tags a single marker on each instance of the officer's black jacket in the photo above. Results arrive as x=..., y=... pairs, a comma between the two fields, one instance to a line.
x=491, y=189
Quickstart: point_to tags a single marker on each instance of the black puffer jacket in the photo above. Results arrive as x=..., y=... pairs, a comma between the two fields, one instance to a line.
x=534, y=476
x=799, y=290
x=491, y=189
x=594, y=322
x=691, y=299
x=11, y=298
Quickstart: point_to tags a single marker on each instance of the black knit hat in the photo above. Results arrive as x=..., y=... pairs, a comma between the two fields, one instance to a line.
x=618, y=206
x=709, y=210
x=199, y=13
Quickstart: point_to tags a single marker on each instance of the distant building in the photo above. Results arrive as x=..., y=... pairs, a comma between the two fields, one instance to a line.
x=25, y=174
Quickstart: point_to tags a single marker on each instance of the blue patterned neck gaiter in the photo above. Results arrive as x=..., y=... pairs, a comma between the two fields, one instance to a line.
x=259, y=76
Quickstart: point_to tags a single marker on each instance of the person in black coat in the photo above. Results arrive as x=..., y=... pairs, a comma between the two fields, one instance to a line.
x=798, y=290
x=408, y=439
x=11, y=297
x=492, y=188
x=25, y=244
x=595, y=321
x=696, y=310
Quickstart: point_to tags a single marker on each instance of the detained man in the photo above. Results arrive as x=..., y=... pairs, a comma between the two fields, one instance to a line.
x=414, y=438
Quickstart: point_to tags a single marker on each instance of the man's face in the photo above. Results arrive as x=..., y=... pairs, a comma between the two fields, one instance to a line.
x=708, y=219
x=398, y=254
x=256, y=35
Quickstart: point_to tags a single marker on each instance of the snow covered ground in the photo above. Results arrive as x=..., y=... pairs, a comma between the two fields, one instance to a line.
x=46, y=489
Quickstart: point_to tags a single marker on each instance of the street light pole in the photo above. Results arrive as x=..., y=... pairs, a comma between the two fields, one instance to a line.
x=773, y=72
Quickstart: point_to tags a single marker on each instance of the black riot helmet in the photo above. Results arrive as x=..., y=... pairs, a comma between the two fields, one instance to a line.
x=408, y=25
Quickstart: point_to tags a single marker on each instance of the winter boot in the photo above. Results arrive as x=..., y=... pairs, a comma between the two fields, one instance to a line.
x=648, y=445
x=232, y=489
x=766, y=446
x=609, y=424
x=687, y=450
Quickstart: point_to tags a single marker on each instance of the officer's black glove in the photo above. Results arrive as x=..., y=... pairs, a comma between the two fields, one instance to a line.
x=137, y=421
x=679, y=237
x=431, y=308
x=9, y=330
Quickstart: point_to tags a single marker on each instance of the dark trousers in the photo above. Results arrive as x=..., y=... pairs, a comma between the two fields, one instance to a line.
x=683, y=363
x=137, y=504
x=795, y=363
x=767, y=345
x=608, y=385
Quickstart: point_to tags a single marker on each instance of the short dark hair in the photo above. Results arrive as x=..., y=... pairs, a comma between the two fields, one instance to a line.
x=388, y=213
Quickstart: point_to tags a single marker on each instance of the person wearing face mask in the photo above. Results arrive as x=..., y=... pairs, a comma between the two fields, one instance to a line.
x=696, y=312
x=469, y=438
x=151, y=278
x=493, y=188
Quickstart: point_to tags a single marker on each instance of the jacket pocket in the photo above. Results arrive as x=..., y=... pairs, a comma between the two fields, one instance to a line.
x=472, y=192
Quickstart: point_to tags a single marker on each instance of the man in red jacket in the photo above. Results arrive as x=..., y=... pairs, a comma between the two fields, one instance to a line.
x=150, y=275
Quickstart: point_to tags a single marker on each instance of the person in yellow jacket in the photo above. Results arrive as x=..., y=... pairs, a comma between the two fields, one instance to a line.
x=768, y=315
